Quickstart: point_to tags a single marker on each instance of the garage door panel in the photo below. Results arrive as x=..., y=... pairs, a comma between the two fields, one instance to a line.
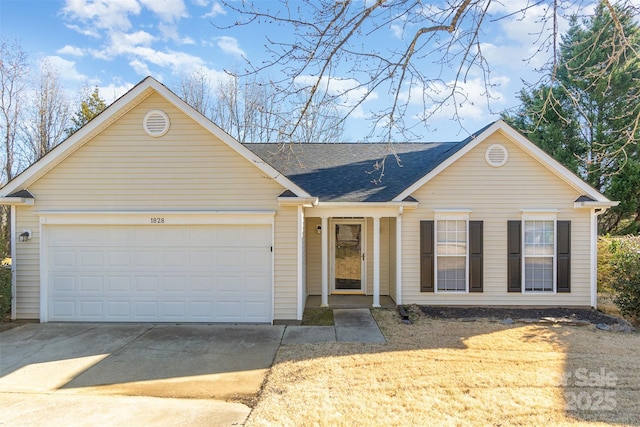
x=174, y=284
x=91, y=309
x=62, y=284
x=118, y=284
x=118, y=258
x=155, y=274
x=118, y=310
x=90, y=284
x=64, y=258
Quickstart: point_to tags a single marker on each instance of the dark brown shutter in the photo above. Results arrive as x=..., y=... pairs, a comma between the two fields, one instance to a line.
x=514, y=254
x=426, y=256
x=563, y=266
x=475, y=256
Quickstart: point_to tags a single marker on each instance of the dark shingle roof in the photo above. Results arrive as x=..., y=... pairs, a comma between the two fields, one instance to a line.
x=347, y=172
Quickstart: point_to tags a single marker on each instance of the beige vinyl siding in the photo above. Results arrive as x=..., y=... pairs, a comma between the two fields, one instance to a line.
x=27, y=265
x=384, y=256
x=122, y=168
x=313, y=256
x=286, y=264
x=496, y=195
x=392, y=258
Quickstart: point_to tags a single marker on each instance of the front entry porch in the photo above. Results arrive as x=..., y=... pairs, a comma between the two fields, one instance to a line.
x=352, y=261
x=349, y=301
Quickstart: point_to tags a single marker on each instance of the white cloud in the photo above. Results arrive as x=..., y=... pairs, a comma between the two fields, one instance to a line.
x=113, y=91
x=216, y=9
x=66, y=69
x=140, y=67
x=70, y=50
x=466, y=100
x=167, y=10
x=230, y=46
x=104, y=14
x=397, y=31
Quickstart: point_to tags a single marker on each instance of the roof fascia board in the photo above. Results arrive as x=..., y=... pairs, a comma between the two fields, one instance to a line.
x=522, y=142
x=75, y=141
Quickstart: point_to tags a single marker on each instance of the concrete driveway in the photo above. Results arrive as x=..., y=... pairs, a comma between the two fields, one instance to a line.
x=132, y=374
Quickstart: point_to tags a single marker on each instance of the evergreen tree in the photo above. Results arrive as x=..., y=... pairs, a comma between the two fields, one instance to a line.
x=90, y=107
x=587, y=116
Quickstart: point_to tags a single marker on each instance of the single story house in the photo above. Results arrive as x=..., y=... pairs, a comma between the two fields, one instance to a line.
x=151, y=213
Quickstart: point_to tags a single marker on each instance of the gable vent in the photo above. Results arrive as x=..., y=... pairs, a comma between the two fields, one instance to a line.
x=496, y=155
x=156, y=123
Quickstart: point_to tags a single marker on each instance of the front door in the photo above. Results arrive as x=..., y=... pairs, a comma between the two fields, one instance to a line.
x=348, y=259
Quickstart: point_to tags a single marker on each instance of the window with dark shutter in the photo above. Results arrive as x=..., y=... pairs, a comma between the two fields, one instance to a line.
x=475, y=256
x=514, y=254
x=426, y=256
x=563, y=261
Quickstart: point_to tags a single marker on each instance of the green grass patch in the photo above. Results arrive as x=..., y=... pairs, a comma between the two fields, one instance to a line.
x=321, y=316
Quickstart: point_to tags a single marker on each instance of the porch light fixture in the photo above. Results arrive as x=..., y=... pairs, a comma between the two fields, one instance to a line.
x=26, y=235
x=319, y=229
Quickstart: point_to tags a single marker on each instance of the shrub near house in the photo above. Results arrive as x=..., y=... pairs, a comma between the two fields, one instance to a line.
x=5, y=290
x=620, y=272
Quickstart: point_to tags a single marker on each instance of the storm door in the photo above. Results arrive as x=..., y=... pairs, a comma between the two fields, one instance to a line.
x=348, y=256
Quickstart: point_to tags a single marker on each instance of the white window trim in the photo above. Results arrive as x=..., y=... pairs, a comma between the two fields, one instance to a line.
x=540, y=215
x=450, y=215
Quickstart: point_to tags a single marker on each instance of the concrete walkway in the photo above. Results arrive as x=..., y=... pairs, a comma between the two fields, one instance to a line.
x=351, y=325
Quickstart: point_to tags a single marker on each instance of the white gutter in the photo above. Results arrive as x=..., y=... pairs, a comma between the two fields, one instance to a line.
x=16, y=201
x=13, y=262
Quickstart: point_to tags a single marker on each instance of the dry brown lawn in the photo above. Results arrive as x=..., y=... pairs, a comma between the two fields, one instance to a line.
x=443, y=372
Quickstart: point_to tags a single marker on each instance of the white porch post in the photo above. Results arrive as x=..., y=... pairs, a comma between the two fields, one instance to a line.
x=376, y=261
x=399, y=257
x=325, y=262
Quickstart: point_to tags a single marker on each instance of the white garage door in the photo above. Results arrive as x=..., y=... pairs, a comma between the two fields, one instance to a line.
x=207, y=273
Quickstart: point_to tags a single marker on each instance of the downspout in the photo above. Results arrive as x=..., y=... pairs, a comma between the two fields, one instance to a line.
x=12, y=242
x=595, y=213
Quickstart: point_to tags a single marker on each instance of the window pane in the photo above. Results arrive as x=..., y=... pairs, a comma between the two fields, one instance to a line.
x=451, y=273
x=451, y=238
x=538, y=238
x=538, y=273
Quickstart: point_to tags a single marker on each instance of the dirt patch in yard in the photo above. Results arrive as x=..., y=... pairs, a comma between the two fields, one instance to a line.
x=452, y=372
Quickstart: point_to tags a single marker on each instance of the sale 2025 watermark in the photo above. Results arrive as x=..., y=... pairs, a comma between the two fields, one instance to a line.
x=590, y=390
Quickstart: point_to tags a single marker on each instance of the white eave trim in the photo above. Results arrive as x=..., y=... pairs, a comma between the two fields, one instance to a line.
x=16, y=201
x=305, y=202
x=594, y=205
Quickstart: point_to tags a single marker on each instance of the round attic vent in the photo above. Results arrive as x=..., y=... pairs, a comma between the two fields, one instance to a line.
x=156, y=123
x=496, y=155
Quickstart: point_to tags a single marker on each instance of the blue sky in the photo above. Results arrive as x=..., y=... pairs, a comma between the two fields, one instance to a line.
x=113, y=44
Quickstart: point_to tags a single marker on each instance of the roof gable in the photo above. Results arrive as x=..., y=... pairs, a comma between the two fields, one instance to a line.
x=119, y=108
x=522, y=142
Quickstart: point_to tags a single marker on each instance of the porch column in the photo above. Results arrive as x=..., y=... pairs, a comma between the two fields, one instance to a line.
x=399, y=258
x=325, y=261
x=376, y=261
